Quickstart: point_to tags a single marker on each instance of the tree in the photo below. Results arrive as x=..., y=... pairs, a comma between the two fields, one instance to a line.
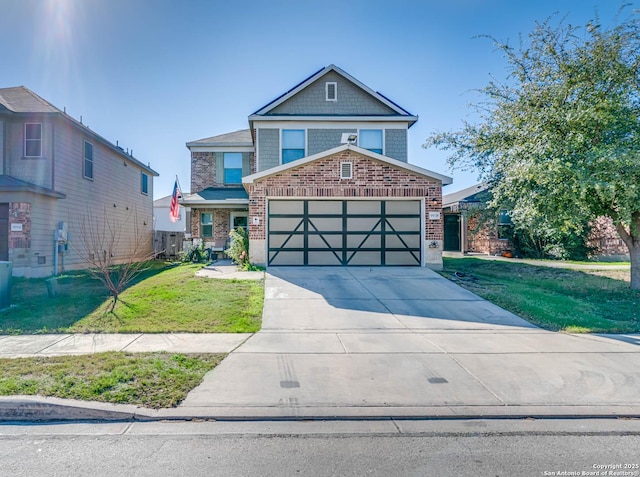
x=117, y=250
x=559, y=140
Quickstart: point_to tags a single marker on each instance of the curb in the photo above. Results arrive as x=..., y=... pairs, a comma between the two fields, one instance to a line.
x=44, y=409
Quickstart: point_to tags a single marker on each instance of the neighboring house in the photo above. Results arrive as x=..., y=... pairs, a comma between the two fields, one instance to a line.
x=465, y=232
x=321, y=177
x=168, y=236
x=57, y=175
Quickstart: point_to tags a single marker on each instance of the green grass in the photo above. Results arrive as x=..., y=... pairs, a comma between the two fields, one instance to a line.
x=161, y=300
x=153, y=380
x=582, y=301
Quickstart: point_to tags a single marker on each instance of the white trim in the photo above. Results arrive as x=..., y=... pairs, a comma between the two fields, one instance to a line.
x=423, y=232
x=403, y=119
x=221, y=148
x=350, y=164
x=257, y=151
x=335, y=91
x=305, y=160
x=319, y=75
x=233, y=215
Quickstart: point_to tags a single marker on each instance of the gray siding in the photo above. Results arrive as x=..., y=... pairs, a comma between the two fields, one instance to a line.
x=324, y=139
x=395, y=142
x=2, y=147
x=268, y=148
x=36, y=170
x=351, y=100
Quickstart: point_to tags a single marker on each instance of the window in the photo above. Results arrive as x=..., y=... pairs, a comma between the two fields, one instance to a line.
x=292, y=145
x=206, y=224
x=331, y=91
x=144, y=183
x=232, y=167
x=504, y=225
x=88, y=160
x=371, y=139
x=346, y=170
x=33, y=140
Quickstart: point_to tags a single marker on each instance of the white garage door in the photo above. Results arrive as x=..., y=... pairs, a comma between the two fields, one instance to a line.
x=344, y=232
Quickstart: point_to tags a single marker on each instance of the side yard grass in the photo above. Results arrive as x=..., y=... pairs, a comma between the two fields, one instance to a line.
x=163, y=299
x=583, y=301
x=153, y=380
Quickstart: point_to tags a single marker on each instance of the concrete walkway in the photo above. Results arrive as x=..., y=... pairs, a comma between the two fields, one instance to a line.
x=372, y=343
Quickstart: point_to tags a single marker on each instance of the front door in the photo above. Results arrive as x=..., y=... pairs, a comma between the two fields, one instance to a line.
x=452, y=233
x=4, y=232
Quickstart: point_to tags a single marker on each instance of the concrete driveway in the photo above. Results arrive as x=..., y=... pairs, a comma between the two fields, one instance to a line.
x=407, y=342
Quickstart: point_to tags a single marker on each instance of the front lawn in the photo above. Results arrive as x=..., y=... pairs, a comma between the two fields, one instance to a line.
x=163, y=299
x=153, y=380
x=588, y=301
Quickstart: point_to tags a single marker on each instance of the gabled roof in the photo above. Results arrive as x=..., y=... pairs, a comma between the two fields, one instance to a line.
x=241, y=137
x=19, y=99
x=218, y=196
x=464, y=195
x=344, y=147
x=319, y=74
x=11, y=184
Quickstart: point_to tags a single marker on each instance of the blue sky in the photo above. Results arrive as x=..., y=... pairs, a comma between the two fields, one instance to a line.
x=155, y=74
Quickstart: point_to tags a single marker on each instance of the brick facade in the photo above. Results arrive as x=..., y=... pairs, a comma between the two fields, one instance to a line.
x=203, y=170
x=483, y=238
x=20, y=240
x=605, y=239
x=321, y=178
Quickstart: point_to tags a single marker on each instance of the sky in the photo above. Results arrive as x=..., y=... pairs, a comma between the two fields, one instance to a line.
x=156, y=74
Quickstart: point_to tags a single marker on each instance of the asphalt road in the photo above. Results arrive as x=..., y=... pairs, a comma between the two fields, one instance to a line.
x=342, y=448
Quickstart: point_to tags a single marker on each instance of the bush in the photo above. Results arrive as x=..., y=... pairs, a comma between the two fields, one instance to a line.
x=239, y=248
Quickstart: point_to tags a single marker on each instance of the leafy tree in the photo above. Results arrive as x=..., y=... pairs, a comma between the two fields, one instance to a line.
x=559, y=140
x=239, y=247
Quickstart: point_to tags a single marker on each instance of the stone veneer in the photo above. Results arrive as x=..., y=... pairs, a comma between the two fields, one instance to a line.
x=371, y=179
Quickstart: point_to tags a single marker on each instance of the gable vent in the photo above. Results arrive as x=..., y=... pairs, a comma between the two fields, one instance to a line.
x=346, y=170
x=331, y=90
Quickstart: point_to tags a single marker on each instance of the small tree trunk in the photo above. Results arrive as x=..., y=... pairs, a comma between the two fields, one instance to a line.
x=634, y=254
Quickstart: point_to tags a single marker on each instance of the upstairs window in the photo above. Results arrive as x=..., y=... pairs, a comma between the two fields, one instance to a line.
x=331, y=91
x=504, y=225
x=33, y=140
x=232, y=167
x=87, y=167
x=292, y=145
x=371, y=139
x=144, y=183
x=206, y=224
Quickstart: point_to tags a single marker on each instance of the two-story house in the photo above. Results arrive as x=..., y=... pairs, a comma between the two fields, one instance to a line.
x=321, y=177
x=59, y=181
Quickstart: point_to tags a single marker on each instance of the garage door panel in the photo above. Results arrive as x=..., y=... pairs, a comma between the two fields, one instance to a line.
x=286, y=258
x=364, y=224
x=286, y=240
x=324, y=207
x=368, y=241
x=403, y=241
x=324, y=258
x=325, y=224
x=402, y=258
x=324, y=241
x=282, y=224
x=403, y=224
x=344, y=232
x=403, y=207
x=286, y=207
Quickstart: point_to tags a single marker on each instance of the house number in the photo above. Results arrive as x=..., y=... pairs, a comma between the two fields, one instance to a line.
x=434, y=215
x=16, y=227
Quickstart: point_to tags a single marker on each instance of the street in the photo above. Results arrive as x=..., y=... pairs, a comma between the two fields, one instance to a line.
x=324, y=448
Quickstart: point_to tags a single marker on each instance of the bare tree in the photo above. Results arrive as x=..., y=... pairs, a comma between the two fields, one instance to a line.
x=116, y=250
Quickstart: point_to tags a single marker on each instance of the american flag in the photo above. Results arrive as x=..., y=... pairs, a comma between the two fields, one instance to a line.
x=174, y=210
